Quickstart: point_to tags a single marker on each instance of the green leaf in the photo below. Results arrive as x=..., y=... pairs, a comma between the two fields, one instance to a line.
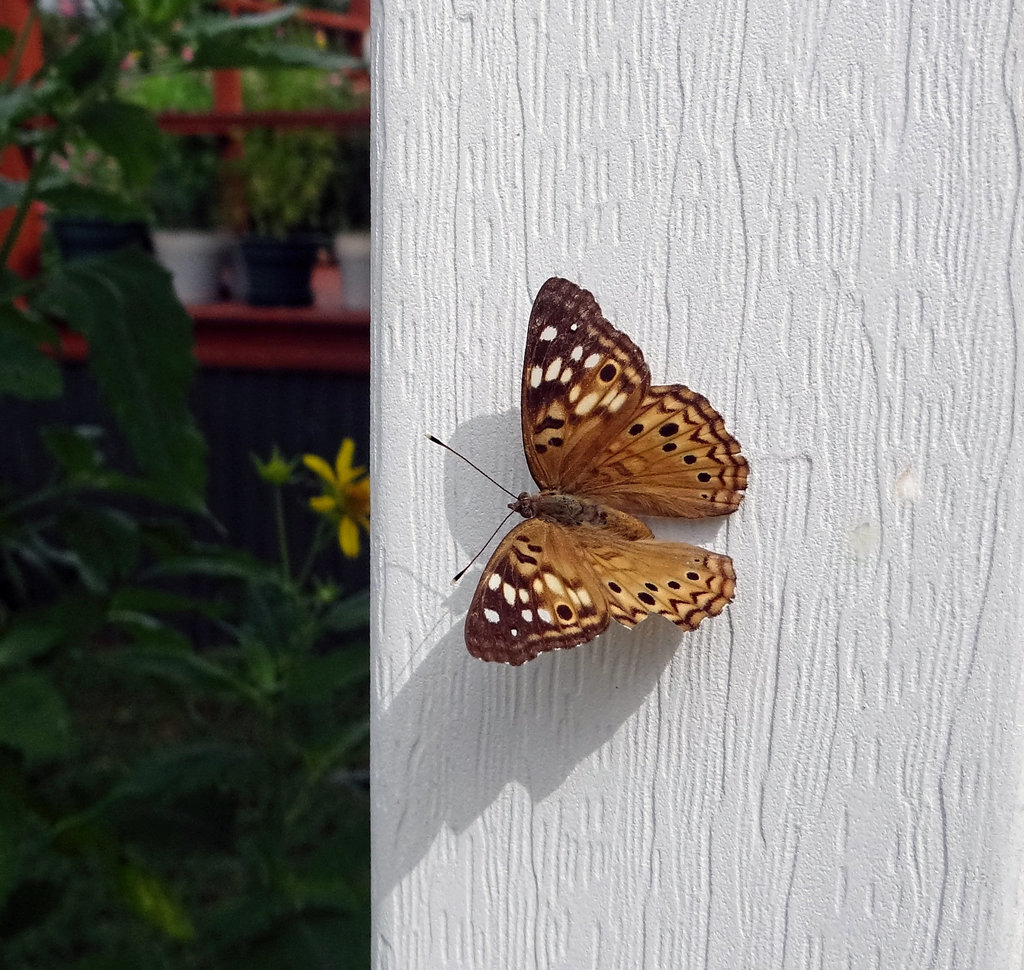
x=127, y=132
x=165, y=775
x=152, y=899
x=25, y=371
x=83, y=65
x=227, y=51
x=76, y=450
x=69, y=198
x=351, y=613
x=140, y=342
x=321, y=675
x=6, y=39
x=218, y=25
x=33, y=633
x=105, y=541
x=140, y=599
x=179, y=667
x=33, y=718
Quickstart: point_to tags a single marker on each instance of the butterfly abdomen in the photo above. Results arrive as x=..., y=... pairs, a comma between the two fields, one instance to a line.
x=564, y=509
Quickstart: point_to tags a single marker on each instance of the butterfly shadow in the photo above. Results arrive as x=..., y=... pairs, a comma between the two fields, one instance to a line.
x=529, y=725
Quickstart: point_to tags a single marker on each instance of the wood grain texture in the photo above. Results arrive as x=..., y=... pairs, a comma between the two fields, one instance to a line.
x=810, y=213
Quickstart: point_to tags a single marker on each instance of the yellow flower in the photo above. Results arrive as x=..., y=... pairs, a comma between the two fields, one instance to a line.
x=346, y=496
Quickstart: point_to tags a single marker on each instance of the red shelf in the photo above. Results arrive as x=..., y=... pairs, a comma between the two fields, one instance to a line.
x=357, y=21
x=236, y=335
x=216, y=122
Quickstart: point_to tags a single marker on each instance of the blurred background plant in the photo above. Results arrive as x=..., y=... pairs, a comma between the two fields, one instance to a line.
x=287, y=171
x=183, y=727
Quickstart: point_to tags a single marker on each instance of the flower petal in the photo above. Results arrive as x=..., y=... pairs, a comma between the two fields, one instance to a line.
x=343, y=463
x=348, y=537
x=318, y=466
x=324, y=504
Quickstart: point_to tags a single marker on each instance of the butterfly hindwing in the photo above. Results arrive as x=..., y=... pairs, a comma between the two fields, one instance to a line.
x=674, y=458
x=536, y=594
x=683, y=583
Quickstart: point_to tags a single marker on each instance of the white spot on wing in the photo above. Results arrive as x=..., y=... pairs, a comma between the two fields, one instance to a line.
x=554, y=583
x=535, y=376
x=593, y=360
x=585, y=597
x=510, y=593
x=577, y=353
x=528, y=615
x=553, y=368
x=524, y=595
x=586, y=405
x=566, y=376
x=495, y=581
x=544, y=615
x=548, y=333
x=514, y=632
x=491, y=616
x=616, y=403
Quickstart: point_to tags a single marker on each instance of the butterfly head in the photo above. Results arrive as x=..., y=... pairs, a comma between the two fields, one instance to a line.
x=525, y=505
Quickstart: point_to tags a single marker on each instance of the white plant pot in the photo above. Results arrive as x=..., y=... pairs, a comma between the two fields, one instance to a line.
x=353, y=252
x=195, y=260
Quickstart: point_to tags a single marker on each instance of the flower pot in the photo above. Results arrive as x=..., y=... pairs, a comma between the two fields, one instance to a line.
x=195, y=259
x=278, y=270
x=81, y=236
x=353, y=252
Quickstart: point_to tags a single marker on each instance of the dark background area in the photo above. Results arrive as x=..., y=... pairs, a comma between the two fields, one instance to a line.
x=240, y=413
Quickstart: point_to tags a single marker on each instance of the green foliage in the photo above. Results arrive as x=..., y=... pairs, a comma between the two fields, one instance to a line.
x=286, y=172
x=183, y=736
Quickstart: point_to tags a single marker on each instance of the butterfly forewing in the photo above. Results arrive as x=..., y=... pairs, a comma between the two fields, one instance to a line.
x=593, y=425
x=582, y=380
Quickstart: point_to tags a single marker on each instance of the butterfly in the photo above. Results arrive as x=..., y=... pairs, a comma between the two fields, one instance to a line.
x=603, y=446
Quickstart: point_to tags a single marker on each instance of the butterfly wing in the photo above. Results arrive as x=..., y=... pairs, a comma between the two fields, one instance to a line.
x=674, y=457
x=535, y=594
x=683, y=583
x=593, y=426
x=582, y=380
x=550, y=586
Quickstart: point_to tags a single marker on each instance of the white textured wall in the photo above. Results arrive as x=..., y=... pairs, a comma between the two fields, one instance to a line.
x=812, y=214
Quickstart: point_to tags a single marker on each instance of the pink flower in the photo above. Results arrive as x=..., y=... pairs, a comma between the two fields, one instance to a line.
x=187, y=54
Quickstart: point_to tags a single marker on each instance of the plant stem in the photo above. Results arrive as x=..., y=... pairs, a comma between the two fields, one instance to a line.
x=282, y=534
x=39, y=164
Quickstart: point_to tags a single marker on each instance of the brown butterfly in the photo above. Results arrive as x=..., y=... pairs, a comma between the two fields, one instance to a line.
x=603, y=445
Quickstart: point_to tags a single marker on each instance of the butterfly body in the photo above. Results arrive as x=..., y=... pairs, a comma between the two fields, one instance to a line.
x=571, y=510
x=604, y=445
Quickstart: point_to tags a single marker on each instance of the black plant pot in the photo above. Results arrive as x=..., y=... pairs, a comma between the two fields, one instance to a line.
x=278, y=271
x=81, y=236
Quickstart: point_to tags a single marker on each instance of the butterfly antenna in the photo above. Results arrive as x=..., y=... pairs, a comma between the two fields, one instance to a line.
x=462, y=572
x=438, y=441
